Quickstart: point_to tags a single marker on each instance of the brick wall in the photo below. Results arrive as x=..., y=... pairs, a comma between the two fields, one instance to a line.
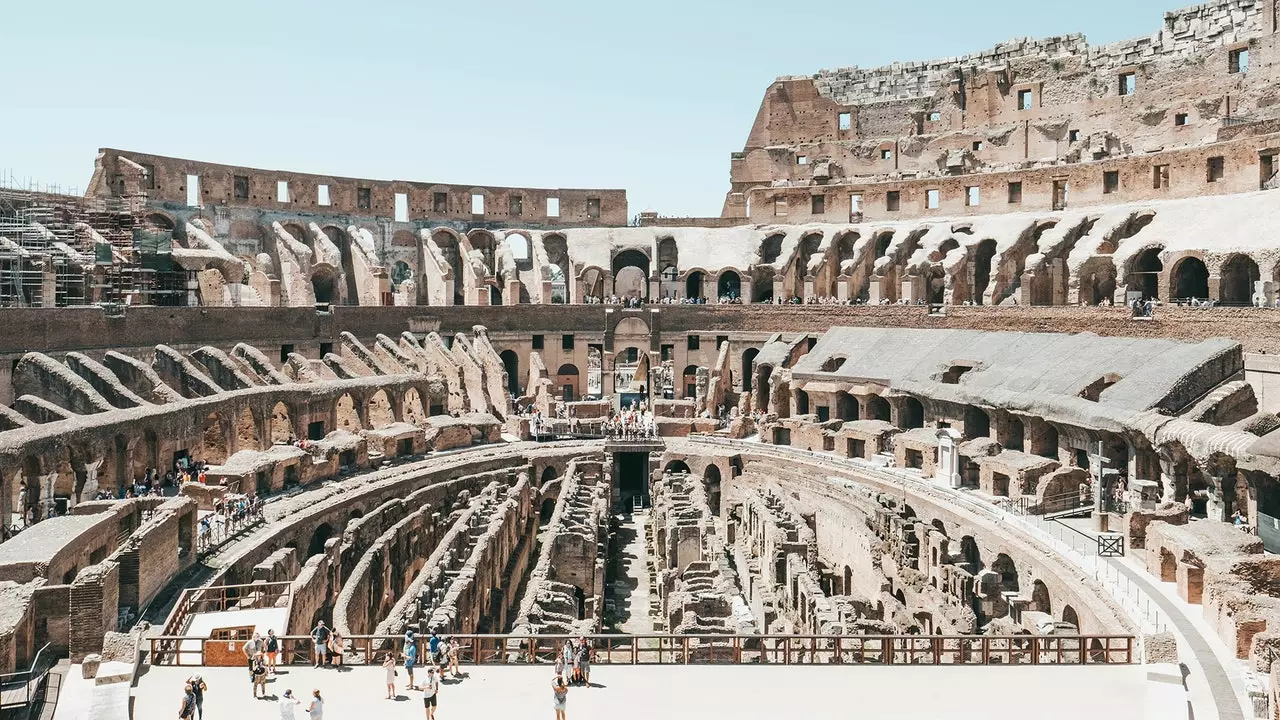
x=94, y=605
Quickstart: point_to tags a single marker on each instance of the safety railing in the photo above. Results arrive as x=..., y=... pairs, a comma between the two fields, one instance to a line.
x=218, y=598
x=25, y=688
x=712, y=649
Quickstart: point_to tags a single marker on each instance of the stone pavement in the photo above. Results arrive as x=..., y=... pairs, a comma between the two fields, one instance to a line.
x=672, y=691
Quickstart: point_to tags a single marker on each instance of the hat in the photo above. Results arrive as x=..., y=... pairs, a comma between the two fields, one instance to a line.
x=196, y=676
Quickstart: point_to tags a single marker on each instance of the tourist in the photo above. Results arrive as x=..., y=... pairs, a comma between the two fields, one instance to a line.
x=336, y=648
x=288, y=703
x=389, y=666
x=453, y=658
x=584, y=661
x=251, y=648
x=273, y=650
x=433, y=646
x=198, y=686
x=320, y=639
x=188, y=708
x=258, y=673
x=443, y=650
x=560, y=664
x=316, y=708
x=560, y=690
x=429, y=692
x=410, y=660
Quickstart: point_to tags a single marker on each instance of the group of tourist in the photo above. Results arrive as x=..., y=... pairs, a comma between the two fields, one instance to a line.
x=442, y=654
x=631, y=302
x=633, y=423
x=230, y=515
x=574, y=657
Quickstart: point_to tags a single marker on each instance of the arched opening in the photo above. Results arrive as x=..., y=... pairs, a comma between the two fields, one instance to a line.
x=748, y=367
x=693, y=285
x=802, y=402
x=771, y=248
x=677, y=467
x=400, y=272
x=1239, y=273
x=1014, y=433
x=318, y=539
x=729, y=287
x=846, y=406
x=511, y=363
x=936, y=287
x=911, y=414
x=213, y=446
x=1048, y=446
x=447, y=243
x=1040, y=598
x=1145, y=273
x=760, y=391
x=281, y=424
x=322, y=285
x=689, y=381
x=348, y=419
x=711, y=476
x=559, y=288
x=1069, y=616
x=1008, y=572
x=343, y=241
x=379, y=411
x=518, y=245
x=1190, y=279
x=976, y=423
x=545, y=511
x=567, y=381
x=247, y=437
x=549, y=473
x=971, y=555
x=982, y=257
x=631, y=274
x=877, y=408
x=882, y=244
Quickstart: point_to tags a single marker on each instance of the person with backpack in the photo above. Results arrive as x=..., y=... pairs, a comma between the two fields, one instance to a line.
x=188, y=708
x=258, y=671
x=320, y=639
x=273, y=651
x=198, y=687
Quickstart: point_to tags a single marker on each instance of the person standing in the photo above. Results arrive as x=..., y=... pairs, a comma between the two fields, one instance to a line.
x=273, y=651
x=560, y=692
x=258, y=671
x=389, y=665
x=188, y=708
x=335, y=648
x=584, y=661
x=288, y=703
x=433, y=645
x=430, y=691
x=198, y=687
x=316, y=709
x=410, y=660
x=252, y=647
x=320, y=639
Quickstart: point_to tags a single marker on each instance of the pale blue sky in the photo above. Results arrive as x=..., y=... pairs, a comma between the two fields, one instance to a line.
x=649, y=96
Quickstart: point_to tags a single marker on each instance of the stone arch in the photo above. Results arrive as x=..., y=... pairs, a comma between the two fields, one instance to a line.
x=1069, y=616
x=771, y=248
x=802, y=402
x=518, y=244
x=511, y=363
x=977, y=423
x=729, y=285
x=1040, y=601
x=340, y=238
x=324, y=284
x=1239, y=273
x=711, y=477
x=379, y=412
x=1189, y=278
x=1096, y=280
x=319, y=537
x=557, y=249
x=593, y=281
x=677, y=466
x=281, y=424
x=877, y=408
x=415, y=410
x=1144, y=272
x=247, y=435
x=846, y=406
x=157, y=221
x=693, y=284
x=911, y=414
x=1008, y=572
x=941, y=251
x=970, y=554
x=668, y=253
x=346, y=417
x=631, y=273
x=213, y=440
x=546, y=510
x=689, y=381
x=748, y=367
x=400, y=272
x=983, y=255
x=549, y=473
x=883, y=240
x=631, y=326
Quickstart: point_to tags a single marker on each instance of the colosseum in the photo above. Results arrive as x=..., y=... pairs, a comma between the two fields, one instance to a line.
x=971, y=370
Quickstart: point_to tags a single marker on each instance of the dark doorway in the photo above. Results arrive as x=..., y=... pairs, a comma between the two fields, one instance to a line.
x=511, y=363
x=633, y=476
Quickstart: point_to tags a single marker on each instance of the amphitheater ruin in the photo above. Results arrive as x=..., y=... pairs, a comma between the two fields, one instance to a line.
x=976, y=367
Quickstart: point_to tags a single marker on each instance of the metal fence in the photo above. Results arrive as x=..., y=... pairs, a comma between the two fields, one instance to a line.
x=711, y=649
x=26, y=688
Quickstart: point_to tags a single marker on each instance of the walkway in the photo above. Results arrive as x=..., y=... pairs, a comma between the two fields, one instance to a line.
x=630, y=588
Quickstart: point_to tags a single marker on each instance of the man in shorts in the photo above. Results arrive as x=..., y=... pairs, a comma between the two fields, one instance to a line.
x=584, y=660
x=320, y=639
x=429, y=692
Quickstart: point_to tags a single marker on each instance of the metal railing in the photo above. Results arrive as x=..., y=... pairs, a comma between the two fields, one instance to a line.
x=25, y=688
x=713, y=649
x=218, y=598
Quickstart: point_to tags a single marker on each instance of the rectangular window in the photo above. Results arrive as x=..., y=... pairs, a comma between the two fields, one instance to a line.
x=325, y=348
x=282, y=191
x=241, y=187
x=1266, y=170
x=802, y=159
x=593, y=208
x=1025, y=99
x=440, y=202
x=1110, y=181
x=844, y=121
x=1160, y=177
x=855, y=203
x=537, y=342
x=632, y=355
x=364, y=198
x=1128, y=83
x=1060, y=190
x=721, y=340
x=780, y=207
x=1015, y=193
x=193, y=191
x=477, y=204
x=1214, y=169
x=892, y=200
x=935, y=116
x=818, y=204
x=1238, y=61
x=402, y=207
x=515, y=205
x=931, y=199
x=886, y=154
x=694, y=342
x=284, y=353
x=668, y=353
x=977, y=145
x=553, y=207
x=322, y=195
x=1073, y=135
x=148, y=176
x=566, y=342
x=973, y=196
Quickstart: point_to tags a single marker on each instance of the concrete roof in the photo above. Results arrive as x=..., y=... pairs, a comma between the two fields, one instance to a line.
x=42, y=541
x=1037, y=373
